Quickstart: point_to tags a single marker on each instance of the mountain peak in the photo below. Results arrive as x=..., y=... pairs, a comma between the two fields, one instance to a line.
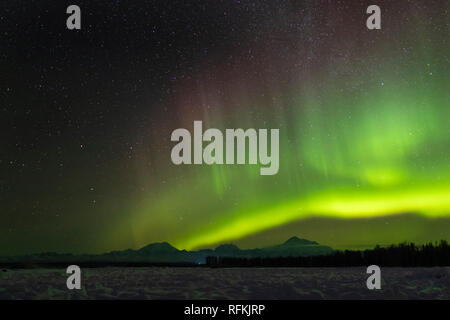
x=159, y=247
x=297, y=241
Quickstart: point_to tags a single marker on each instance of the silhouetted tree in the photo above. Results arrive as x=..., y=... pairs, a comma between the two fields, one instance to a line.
x=401, y=255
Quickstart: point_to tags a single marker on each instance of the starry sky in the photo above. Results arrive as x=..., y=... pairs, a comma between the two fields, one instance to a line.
x=86, y=119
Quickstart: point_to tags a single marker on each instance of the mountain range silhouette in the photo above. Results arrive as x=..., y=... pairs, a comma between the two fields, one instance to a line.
x=163, y=252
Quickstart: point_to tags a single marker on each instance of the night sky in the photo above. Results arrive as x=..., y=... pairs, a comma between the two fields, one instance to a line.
x=86, y=119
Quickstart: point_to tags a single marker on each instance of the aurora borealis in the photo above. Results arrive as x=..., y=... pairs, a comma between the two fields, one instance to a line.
x=363, y=117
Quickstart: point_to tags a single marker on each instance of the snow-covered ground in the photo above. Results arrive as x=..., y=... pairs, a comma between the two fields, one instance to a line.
x=233, y=283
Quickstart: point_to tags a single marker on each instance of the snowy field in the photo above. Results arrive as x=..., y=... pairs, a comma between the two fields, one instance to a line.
x=233, y=283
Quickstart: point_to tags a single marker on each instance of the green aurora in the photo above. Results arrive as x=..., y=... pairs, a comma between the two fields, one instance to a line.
x=364, y=120
x=363, y=141
x=369, y=154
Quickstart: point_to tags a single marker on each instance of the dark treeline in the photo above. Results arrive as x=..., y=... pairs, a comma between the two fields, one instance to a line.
x=402, y=255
